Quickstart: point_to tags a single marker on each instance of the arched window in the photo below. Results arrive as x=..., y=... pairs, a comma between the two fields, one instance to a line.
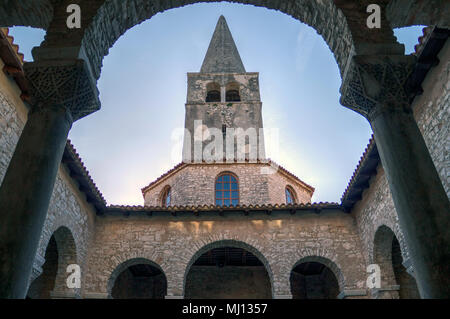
x=232, y=92
x=227, y=190
x=166, y=196
x=290, y=195
x=213, y=92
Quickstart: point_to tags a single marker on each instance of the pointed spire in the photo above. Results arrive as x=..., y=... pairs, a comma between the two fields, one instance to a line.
x=222, y=55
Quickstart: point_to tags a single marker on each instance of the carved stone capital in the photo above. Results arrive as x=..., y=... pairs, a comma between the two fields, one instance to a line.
x=373, y=84
x=66, y=83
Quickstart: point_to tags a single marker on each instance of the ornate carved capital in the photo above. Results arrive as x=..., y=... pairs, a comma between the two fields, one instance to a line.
x=66, y=83
x=376, y=83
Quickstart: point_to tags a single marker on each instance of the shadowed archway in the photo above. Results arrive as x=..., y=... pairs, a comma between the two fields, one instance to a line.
x=316, y=277
x=396, y=282
x=60, y=253
x=137, y=278
x=228, y=270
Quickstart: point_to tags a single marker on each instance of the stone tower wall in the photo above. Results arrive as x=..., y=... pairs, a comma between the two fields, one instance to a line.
x=244, y=114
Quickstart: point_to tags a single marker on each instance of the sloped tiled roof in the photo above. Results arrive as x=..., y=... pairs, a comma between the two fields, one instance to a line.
x=79, y=172
x=423, y=39
x=359, y=181
x=426, y=51
x=245, y=209
x=13, y=60
x=12, y=46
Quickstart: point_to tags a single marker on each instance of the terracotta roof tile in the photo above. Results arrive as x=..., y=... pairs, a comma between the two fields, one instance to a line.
x=14, y=46
x=426, y=33
x=206, y=208
x=358, y=168
x=82, y=174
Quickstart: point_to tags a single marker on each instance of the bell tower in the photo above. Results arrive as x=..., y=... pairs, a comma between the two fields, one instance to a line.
x=223, y=106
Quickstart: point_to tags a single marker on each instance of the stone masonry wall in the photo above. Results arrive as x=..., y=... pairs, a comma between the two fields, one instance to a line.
x=279, y=241
x=194, y=185
x=229, y=282
x=68, y=207
x=432, y=113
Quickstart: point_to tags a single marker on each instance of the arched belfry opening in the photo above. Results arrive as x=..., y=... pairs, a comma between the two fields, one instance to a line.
x=314, y=278
x=396, y=282
x=137, y=278
x=232, y=92
x=227, y=272
x=213, y=92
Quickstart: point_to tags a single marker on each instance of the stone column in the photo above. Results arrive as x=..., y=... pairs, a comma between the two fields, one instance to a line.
x=61, y=91
x=37, y=270
x=374, y=87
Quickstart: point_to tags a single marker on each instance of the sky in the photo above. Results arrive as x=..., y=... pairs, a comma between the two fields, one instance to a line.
x=129, y=142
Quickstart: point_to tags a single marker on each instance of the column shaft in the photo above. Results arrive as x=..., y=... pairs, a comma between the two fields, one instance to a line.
x=25, y=195
x=420, y=200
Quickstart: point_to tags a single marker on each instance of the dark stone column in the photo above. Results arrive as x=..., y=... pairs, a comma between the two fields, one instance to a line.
x=25, y=194
x=62, y=92
x=374, y=87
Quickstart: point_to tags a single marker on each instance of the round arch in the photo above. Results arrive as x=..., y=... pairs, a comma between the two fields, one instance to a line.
x=292, y=192
x=221, y=194
x=387, y=253
x=337, y=272
x=164, y=197
x=213, y=92
x=233, y=244
x=335, y=32
x=130, y=263
x=60, y=252
x=382, y=245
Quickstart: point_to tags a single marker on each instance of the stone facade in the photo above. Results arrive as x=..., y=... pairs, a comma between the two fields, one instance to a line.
x=432, y=114
x=279, y=241
x=104, y=245
x=237, y=282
